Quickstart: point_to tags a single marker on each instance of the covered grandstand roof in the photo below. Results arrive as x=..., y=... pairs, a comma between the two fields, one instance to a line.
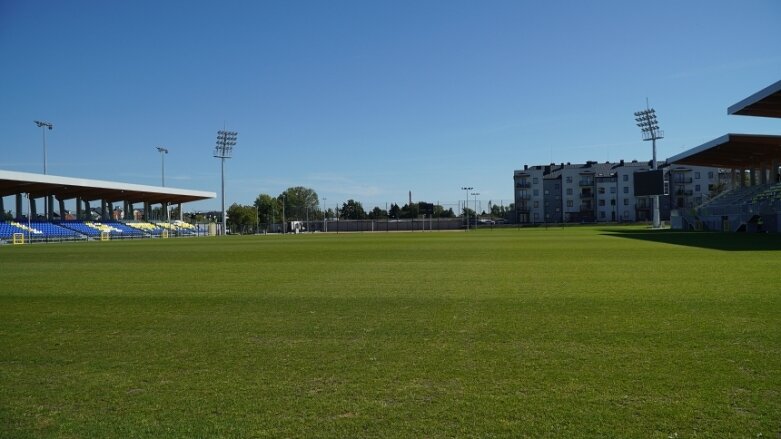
x=39, y=185
x=733, y=151
x=766, y=102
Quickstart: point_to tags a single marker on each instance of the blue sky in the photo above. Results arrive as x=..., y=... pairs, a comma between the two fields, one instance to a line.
x=368, y=99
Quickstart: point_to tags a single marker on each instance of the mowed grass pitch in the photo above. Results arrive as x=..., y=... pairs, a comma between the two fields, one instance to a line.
x=579, y=332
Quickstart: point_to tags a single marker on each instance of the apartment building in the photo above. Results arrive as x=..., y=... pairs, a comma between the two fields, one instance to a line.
x=604, y=192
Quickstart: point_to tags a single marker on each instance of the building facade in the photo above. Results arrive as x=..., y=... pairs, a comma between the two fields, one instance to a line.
x=604, y=192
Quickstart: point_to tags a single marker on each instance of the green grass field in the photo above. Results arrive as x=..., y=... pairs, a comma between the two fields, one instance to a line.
x=578, y=332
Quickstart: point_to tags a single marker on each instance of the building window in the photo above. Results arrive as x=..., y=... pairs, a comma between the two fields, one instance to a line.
x=626, y=201
x=697, y=200
x=547, y=192
x=601, y=190
x=697, y=187
x=535, y=180
x=557, y=187
x=536, y=217
x=710, y=175
x=626, y=189
x=697, y=175
x=569, y=203
x=612, y=189
x=569, y=191
x=626, y=177
x=613, y=202
x=569, y=179
x=601, y=202
x=536, y=204
x=536, y=192
x=602, y=214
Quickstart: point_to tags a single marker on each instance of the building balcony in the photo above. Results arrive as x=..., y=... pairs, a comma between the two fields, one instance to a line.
x=587, y=195
x=586, y=183
x=682, y=180
x=523, y=185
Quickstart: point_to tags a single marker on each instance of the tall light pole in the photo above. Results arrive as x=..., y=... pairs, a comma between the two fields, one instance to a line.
x=466, y=205
x=223, y=150
x=43, y=125
x=284, y=201
x=163, y=152
x=646, y=120
x=475, y=194
x=325, y=221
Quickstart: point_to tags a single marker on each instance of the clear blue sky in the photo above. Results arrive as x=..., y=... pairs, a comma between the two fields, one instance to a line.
x=370, y=99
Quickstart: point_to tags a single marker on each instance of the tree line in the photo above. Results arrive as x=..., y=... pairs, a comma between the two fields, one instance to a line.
x=300, y=203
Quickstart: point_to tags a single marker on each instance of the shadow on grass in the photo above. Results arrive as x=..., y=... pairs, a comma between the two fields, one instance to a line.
x=711, y=240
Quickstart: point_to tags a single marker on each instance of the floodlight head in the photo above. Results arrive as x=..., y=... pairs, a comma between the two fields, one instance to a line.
x=162, y=150
x=225, y=142
x=43, y=123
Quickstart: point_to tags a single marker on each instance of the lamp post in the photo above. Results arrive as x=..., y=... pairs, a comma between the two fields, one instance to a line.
x=325, y=220
x=163, y=152
x=43, y=125
x=646, y=120
x=466, y=205
x=284, y=201
x=475, y=194
x=223, y=150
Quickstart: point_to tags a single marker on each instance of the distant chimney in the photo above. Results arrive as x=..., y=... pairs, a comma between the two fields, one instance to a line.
x=622, y=162
x=410, y=198
x=525, y=167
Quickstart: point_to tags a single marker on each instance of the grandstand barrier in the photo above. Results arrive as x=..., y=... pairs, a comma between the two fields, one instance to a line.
x=18, y=238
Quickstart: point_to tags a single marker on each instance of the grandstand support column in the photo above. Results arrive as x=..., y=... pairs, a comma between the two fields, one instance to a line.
x=87, y=211
x=128, y=210
x=78, y=208
x=33, y=208
x=110, y=210
x=103, y=210
x=181, y=217
x=752, y=175
x=50, y=207
x=18, y=211
x=2, y=206
x=62, y=208
x=147, y=211
x=762, y=174
x=774, y=171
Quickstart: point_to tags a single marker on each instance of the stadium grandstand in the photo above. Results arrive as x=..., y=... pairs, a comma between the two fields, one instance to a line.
x=113, y=216
x=752, y=161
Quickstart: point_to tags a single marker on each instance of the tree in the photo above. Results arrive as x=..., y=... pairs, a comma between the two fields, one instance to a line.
x=352, y=210
x=268, y=207
x=440, y=212
x=241, y=218
x=410, y=210
x=5, y=216
x=300, y=201
x=394, y=211
x=378, y=213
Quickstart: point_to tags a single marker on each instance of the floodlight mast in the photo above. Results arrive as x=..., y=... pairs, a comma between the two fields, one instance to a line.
x=649, y=126
x=44, y=125
x=466, y=206
x=163, y=152
x=475, y=194
x=224, y=150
